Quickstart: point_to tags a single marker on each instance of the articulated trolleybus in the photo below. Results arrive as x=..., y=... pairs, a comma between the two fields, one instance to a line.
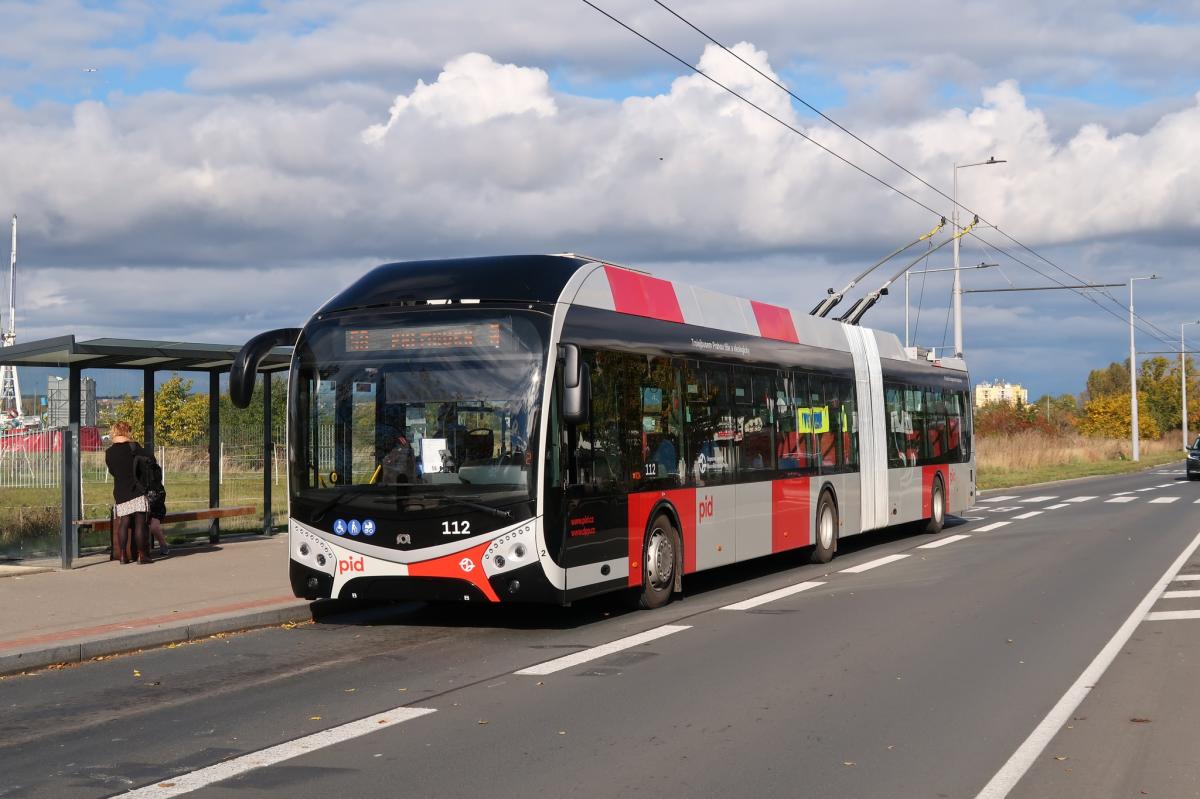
x=546, y=428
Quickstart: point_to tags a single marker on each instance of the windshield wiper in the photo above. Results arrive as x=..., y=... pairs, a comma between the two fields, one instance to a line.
x=341, y=497
x=448, y=500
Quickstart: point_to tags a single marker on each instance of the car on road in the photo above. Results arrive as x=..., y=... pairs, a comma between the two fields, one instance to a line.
x=1193, y=460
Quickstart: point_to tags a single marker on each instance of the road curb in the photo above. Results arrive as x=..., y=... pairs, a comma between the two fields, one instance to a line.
x=80, y=650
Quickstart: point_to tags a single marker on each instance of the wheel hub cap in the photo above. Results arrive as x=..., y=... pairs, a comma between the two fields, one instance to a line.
x=660, y=559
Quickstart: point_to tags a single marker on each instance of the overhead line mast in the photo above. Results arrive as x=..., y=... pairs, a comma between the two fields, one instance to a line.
x=10, y=382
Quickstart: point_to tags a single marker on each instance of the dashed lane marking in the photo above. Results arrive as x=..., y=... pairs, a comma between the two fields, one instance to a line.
x=1160, y=500
x=1180, y=594
x=1059, y=505
x=1029, y=515
x=621, y=644
x=1038, y=499
x=1167, y=485
x=1172, y=615
x=1079, y=499
x=873, y=564
x=186, y=783
x=1121, y=493
x=1149, y=488
x=997, y=499
x=1121, y=499
x=771, y=596
x=943, y=542
x=993, y=526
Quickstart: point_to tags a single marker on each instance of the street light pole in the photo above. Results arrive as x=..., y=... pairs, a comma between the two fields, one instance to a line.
x=958, y=337
x=1183, y=378
x=1133, y=399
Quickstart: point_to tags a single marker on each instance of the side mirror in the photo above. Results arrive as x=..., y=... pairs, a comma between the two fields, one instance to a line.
x=245, y=366
x=577, y=386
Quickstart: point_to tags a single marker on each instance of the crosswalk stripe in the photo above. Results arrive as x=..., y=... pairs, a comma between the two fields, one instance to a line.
x=1079, y=499
x=1172, y=615
x=1029, y=515
x=1161, y=500
x=997, y=499
x=1121, y=499
x=992, y=526
x=1186, y=578
x=1180, y=594
x=1038, y=499
x=1059, y=505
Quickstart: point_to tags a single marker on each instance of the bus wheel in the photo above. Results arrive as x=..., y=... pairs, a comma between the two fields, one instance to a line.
x=826, y=529
x=659, y=556
x=937, y=507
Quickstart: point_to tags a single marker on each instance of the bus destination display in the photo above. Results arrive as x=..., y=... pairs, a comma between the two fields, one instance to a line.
x=485, y=335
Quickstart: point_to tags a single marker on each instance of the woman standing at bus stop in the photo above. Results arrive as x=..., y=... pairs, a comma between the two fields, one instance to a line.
x=129, y=496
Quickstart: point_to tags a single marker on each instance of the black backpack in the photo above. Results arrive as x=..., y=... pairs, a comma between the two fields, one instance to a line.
x=147, y=474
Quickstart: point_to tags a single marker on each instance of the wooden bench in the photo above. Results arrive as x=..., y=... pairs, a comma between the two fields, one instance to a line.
x=105, y=524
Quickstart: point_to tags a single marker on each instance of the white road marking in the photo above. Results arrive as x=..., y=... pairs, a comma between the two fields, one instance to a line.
x=943, y=542
x=1029, y=751
x=1029, y=515
x=1121, y=493
x=1181, y=594
x=1161, y=500
x=763, y=599
x=1172, y=615
x=1149, y=488
x=873, y=564
x=576, y=658
x=1121, y=499
x=1059, y=505
x=1197, y=502
x=992, y=526
x=194, y=781
x=997, y=499
x=1079, y=499
x=1167, y=485
x=1187, y=577
x=1038, y=499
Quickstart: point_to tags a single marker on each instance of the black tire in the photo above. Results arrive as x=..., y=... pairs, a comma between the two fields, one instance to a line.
x=660, y=559
x=937, y=507
x=825, y=529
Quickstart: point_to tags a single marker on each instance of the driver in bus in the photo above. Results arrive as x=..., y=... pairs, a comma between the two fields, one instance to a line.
x=400, y=465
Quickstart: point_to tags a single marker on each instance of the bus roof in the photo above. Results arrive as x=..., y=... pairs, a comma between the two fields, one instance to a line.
x=581, y=280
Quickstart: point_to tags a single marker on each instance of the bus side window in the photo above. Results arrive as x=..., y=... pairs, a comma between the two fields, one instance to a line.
x=897, y=424
x=659, y=417
x=756, y=413
x=849, y=421
x=599, y=448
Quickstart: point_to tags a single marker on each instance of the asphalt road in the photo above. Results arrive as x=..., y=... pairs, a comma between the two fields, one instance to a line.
x=918, y=677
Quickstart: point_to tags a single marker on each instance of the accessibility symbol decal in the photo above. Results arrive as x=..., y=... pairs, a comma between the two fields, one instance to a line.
x=355, y=527
x=368, y=527
x=339, y=526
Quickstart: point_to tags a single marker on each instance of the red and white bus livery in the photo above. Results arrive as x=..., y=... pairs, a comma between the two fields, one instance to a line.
x=546, y=428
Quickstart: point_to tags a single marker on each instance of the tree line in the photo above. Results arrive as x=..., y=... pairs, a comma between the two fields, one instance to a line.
x=181, y=416
x=1103, y=410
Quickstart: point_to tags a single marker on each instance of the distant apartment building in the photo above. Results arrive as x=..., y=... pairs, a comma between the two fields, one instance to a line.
x=988, y=393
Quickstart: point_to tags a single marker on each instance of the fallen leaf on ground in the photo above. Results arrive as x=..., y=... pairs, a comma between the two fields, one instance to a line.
x=849, y=763
x=351, y=690
x=314, y=718
x=1060, y=757
x=1136, y=720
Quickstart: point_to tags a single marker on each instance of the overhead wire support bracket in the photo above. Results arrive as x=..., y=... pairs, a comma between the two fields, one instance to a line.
x=829, y=303
x=864, y=304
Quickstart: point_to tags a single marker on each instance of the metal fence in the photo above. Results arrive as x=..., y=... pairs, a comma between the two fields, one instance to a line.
x=31, y=473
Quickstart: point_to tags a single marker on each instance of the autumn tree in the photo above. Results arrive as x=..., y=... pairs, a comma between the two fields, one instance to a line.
x=1108, y=417
x=180, y=417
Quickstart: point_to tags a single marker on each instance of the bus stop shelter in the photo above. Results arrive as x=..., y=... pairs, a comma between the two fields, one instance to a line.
x=148, y=357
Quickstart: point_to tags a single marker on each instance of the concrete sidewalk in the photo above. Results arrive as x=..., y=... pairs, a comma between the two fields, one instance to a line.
x=105, y=607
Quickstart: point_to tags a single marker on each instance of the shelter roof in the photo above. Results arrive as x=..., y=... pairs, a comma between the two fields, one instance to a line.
x=123, y=353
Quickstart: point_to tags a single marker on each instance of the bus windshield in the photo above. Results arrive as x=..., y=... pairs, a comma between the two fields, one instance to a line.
x=417, y=411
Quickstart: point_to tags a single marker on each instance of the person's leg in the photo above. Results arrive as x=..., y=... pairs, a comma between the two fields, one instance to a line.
x=122, y=538
x=143, y=538
x=156, y=532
